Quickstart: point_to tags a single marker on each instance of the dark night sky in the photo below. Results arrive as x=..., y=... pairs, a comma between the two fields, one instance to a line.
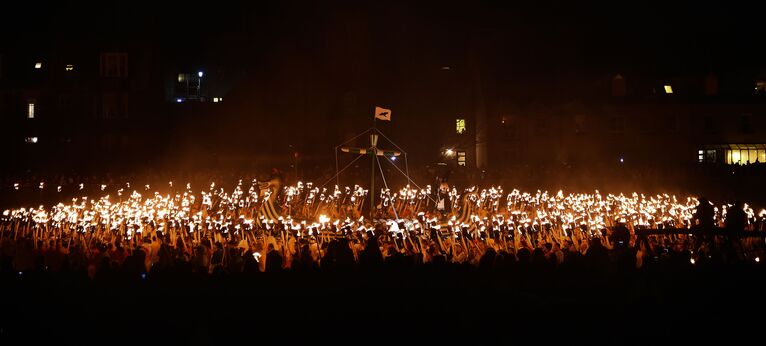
x=533, y=33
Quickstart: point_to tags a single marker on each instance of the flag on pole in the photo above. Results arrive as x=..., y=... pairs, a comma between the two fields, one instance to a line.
x=382, y=113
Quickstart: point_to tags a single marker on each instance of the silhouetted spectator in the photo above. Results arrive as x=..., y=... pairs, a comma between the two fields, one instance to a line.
x=704, y=214
x=371, y=257
x=273, y=260
x=736, y=218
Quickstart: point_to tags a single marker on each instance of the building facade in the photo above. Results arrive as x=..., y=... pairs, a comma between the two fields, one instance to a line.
x=621, y=119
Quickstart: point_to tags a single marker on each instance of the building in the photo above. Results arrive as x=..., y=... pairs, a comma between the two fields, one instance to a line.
x=72, y=99
x=620, y=118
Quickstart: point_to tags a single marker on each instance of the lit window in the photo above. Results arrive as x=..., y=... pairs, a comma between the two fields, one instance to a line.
x=700, y=156
x=38, y=65
x=460, y=126
x=30, y=139
x=735, y=157
x=30, y=110
x=181, y=77
x=461, y=158
x=70, y=67
x=668, y=89
x=745, y=156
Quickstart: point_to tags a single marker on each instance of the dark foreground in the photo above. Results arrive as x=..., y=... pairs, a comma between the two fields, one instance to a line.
x=394, y=306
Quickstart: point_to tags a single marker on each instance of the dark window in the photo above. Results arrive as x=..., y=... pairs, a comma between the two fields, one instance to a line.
x=579, y=123
x=708, y=125
x=114, y=65
x=745, y=123
x=616, y=124
x=711, y=156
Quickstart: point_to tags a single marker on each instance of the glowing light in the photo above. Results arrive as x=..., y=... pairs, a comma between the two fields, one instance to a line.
x=393, y=158
x=460, y=126
x=449, y=152
x=757, y=260
x=200, y=74
x=585, y=213
x=69, y=67
x=461, y=158
x=735, y=156
x=30, y=110
x=38, y=65
x=668, y=89
x=179, y=100
x=215, y=99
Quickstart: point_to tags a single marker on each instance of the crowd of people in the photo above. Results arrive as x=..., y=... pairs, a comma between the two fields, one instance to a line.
x=268, y=227
x=202, y=263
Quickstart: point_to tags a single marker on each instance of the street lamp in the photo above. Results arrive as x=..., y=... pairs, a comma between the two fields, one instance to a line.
x=449, y=153
x=199, y=85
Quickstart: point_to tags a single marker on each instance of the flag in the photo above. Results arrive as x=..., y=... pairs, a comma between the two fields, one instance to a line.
x=382, y=113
